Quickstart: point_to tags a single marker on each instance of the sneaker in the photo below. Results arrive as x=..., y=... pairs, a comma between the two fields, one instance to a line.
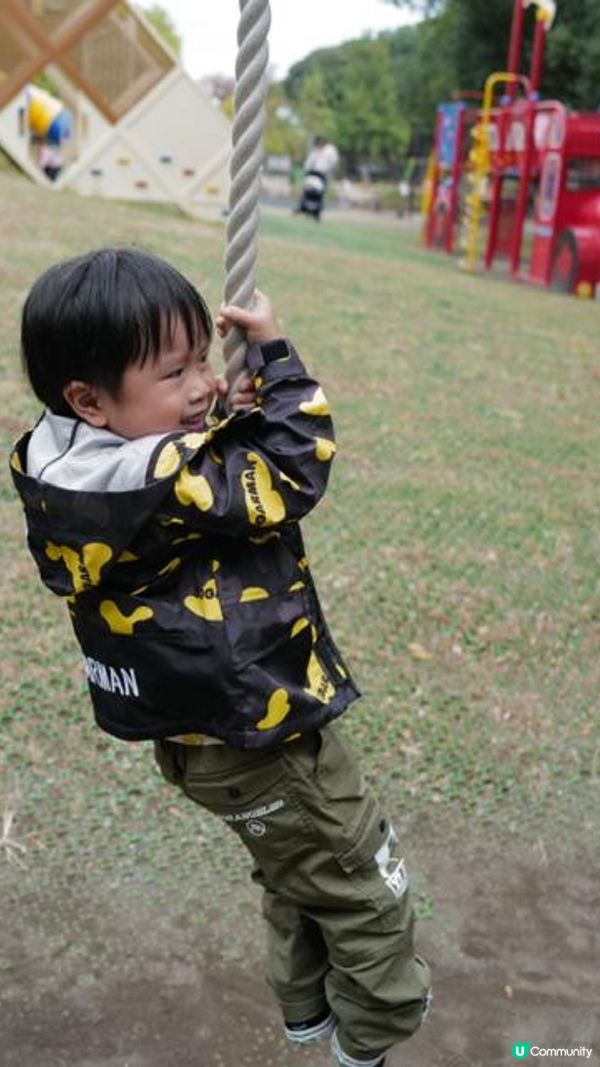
x=349, y=1061
x=310, y=1030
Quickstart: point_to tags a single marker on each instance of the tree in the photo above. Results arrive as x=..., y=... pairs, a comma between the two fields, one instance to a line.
x=377, y=97
x=285, y=134
x=349, y=94
x=424, y=74
x=313, y=108
x=470, y=40
x=164, y=26
x=573, y=54
x=370, y=129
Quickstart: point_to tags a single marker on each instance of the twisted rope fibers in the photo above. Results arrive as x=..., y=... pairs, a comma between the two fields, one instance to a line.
x=248, y=131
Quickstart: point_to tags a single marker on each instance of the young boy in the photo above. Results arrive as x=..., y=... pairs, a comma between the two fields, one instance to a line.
x=173, y=536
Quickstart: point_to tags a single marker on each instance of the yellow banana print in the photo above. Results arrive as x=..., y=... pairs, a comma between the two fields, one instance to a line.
x=264, y=504
x=127, y=557
x=83, y=566
x=170, y=457
x=319, y=685
x=194, y=489
x=117, y=622
x=167, y=461
x=299, y=626
x=290, y=481
x=207, y=604
x=324, y=449
x=317, y=405
x=278, y=708
x=253, y=593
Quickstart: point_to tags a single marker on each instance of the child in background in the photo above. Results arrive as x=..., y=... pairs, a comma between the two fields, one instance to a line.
x=173, y=536
x=50, y=160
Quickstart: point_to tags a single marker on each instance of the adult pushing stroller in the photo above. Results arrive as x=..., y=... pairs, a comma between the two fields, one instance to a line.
x=313, y=192
x=320, y=162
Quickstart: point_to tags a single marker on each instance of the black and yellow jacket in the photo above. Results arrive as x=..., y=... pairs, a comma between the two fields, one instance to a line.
x=183, y=567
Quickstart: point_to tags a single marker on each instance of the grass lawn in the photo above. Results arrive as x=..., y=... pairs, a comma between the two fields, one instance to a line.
x=456, y=551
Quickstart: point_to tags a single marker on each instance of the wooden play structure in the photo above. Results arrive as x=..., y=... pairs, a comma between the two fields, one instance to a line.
x=515, y=179
x=91, y=85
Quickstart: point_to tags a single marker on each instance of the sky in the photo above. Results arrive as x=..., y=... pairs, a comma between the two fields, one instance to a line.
x=209, y=29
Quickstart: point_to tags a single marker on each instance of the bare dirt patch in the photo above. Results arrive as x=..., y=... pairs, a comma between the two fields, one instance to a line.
x=102, y=974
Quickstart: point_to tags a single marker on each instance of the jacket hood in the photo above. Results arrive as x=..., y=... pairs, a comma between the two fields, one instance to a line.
x=68, y=453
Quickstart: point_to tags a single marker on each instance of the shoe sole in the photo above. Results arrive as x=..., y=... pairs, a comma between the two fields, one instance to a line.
x=309, y=1037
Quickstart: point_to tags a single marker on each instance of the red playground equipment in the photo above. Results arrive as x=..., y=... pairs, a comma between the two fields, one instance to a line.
x=520, y=171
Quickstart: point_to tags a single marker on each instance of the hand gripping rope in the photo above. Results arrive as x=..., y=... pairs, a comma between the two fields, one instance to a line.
x=248, y=130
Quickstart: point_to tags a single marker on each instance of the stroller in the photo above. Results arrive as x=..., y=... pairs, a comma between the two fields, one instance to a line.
x=313, y=192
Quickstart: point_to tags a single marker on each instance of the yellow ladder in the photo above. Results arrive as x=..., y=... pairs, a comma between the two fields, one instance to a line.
x=479, y=157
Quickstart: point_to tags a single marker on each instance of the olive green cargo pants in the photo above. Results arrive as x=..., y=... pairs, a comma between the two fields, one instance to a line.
x=338, y=911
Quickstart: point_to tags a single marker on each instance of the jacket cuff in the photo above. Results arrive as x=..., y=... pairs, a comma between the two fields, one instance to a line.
x=274, y=359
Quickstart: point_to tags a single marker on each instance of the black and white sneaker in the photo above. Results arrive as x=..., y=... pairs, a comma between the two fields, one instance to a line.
x=310, y=1030
x=349, y=1061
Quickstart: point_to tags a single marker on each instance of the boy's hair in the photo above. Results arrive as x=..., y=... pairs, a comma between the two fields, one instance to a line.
x=91, y=317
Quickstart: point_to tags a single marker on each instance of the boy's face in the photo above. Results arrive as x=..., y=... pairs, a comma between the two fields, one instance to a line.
x=171, y=392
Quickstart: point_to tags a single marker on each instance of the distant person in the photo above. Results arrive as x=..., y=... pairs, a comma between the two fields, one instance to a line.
x=50, y=160
x=173, y=535
x=319, y=165
x=404, y=193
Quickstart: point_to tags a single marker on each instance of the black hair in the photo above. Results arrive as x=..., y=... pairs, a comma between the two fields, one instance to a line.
x=91, y=317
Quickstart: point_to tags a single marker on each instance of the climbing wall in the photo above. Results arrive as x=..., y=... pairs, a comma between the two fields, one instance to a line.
x=142, y=128
x=174, y=145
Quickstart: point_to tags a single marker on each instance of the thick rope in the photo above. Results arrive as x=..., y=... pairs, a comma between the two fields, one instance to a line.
x=246, y=161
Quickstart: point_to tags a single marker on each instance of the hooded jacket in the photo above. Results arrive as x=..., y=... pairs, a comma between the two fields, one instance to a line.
x=182, y=564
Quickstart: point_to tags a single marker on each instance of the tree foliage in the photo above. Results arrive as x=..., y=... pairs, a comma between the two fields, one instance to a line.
x=377, y=97
x=350, y=94
x=164, y=26
x=284, y=134
x=470, y=38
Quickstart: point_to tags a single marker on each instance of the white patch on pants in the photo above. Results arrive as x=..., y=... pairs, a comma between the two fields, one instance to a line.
x=391, y=868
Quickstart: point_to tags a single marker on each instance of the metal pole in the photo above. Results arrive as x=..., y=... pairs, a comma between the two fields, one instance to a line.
x=516, y=38
x=537, y=58
x=461, y=132
x=523, y=191
x=429, y=220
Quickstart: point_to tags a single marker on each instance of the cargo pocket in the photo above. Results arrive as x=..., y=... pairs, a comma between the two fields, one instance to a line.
x=363, y=840
x=253, y=798
x=377, y=865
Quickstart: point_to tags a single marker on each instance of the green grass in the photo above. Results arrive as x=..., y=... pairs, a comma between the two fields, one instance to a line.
x=456, y=552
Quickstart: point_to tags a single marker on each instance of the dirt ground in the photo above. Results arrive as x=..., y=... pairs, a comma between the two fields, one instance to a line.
x=101, y=974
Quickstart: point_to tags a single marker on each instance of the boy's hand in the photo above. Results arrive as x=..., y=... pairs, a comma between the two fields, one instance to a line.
x=243, y=396
x=258, y=322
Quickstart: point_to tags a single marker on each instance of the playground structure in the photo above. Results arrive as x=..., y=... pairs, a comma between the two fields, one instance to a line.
x=92, y=79
x=522, y=172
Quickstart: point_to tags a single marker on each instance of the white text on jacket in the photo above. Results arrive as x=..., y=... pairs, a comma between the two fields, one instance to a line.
x=120, y=680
